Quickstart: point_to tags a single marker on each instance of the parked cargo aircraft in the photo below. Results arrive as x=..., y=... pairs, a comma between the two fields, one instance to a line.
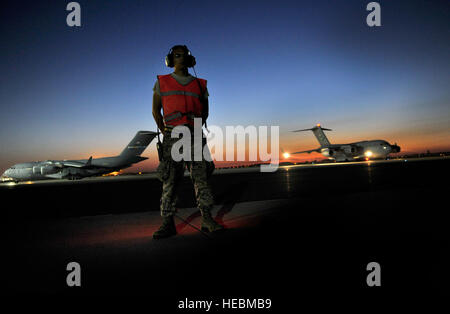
x=78, y=169
x=353, y=151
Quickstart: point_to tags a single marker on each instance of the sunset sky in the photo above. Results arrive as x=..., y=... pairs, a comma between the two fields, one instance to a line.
x=72, y=92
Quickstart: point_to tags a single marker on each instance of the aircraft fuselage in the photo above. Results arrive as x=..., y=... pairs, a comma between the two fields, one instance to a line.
x=77, y=169
x=45, y=170
x=358, y=150
x=373, y=149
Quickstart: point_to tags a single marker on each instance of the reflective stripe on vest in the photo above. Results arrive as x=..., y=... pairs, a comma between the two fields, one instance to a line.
x=177, y=115
x=179, y=92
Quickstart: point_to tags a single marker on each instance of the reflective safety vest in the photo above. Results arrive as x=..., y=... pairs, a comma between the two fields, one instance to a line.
x=181, y=103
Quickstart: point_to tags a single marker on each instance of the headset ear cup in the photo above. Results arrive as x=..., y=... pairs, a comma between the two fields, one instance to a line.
x=168, y=60
x=190, y=61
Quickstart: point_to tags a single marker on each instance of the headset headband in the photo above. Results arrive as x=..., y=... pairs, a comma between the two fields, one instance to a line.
x=178, y=46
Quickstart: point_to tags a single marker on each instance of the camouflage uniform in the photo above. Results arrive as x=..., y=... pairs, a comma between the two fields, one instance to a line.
x=171, y=173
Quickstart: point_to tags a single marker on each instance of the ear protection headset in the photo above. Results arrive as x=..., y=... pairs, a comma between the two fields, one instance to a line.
x=189, y=60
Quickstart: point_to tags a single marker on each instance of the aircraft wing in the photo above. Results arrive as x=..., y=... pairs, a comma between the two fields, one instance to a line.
x=308, y=151
x=76, y=164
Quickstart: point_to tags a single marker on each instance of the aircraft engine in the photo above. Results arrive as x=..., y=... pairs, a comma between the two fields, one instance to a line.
x=37, y=170
x=49, y=169
x=348, y=150
x=327, y=152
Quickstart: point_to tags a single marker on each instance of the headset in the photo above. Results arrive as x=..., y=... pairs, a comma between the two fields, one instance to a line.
x=189, y=59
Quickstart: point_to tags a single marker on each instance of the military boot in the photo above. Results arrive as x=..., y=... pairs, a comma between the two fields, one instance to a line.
x=167, y=228
x=208, y=223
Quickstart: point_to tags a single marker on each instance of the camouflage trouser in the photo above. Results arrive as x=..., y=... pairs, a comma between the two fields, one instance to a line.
x=171, y=173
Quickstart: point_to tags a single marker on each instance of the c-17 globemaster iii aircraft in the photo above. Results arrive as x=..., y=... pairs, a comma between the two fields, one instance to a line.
x=78, y=169
x=353, y=151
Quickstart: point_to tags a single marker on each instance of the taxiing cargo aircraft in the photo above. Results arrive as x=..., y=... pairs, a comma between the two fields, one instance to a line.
x=78, y=169
x=374, y=149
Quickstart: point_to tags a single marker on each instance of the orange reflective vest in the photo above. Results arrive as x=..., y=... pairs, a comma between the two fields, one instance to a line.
x=181, y=103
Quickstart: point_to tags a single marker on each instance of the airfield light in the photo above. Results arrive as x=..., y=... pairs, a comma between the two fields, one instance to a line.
x=286, y=155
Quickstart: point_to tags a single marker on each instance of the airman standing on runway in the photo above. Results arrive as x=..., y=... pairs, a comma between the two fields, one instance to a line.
x=182, y=97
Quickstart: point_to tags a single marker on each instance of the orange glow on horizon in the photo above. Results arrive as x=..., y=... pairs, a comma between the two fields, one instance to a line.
x=113, y=174
x=410, y=141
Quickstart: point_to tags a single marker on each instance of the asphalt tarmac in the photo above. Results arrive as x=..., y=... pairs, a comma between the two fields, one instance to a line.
x=302, y=233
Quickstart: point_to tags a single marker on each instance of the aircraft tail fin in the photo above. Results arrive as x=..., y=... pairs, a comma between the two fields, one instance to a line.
x=89, y=162
x=319, y=134
x=137, y=145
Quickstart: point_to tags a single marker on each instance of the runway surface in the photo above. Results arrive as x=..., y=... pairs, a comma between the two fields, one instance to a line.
x=301, y=233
